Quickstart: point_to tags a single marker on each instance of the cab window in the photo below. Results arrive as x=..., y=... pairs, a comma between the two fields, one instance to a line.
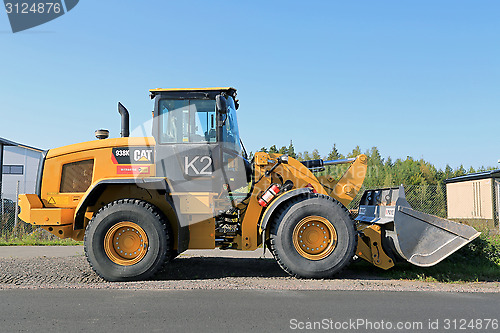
x=187, y=121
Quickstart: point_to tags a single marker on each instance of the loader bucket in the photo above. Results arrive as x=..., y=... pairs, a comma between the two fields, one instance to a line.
x=421, y=239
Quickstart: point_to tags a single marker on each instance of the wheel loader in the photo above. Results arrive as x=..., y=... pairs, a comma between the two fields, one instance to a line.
x=138, y=202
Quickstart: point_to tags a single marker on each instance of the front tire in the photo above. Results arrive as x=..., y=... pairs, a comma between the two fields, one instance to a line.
x=313, y=237
x=128, y=240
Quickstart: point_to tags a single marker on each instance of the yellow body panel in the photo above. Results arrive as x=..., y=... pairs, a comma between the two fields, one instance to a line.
x=202, y=235
x=29, y=201
x=32, y=211
x=195, y=203
x=98, y=144
x=198, y=206
x=66, y=231
x=104, y=168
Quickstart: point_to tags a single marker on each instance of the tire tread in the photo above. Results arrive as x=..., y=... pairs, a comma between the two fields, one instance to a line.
x=155, y=212
x=278, y=217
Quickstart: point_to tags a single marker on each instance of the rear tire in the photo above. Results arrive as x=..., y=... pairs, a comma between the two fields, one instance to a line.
x=313, y=237
x=128, y=240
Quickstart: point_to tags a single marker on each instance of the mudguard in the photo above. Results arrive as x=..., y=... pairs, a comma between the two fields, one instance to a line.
x=276, y=203
x=90, y=197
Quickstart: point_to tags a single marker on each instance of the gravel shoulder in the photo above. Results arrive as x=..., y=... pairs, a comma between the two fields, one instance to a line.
x=66, y=267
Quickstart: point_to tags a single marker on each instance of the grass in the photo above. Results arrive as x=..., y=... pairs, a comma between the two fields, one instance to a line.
x=478, y=261
x=38, y=237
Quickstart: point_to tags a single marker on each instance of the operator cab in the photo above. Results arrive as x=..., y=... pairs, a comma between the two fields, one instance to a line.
x=198, y=144
x=190, y=116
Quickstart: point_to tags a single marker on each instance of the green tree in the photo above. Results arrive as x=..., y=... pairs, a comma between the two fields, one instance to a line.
x=376, y=170
x=316, y=155
x=334, y=154
x=283, y=150
x=273, y=149
x=448, y=172
x=291, y=150
x=388, y=162
x=374, y=156
x=355, y=152
x=388, y=180
x=460, y=171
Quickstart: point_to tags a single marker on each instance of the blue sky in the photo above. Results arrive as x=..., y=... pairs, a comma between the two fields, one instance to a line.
x=417, y=78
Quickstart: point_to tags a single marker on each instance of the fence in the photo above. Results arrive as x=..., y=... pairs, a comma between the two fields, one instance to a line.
x=11, y=226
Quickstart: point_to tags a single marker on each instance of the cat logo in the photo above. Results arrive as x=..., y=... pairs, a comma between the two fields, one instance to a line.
x=133, y=155
x=143, y=155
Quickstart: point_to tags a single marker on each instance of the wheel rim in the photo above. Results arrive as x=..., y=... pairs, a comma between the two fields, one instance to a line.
x=126, y=243
x=314, y=237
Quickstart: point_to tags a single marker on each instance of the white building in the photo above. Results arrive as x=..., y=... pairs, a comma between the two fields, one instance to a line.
x=475, y=199
x=19, y=163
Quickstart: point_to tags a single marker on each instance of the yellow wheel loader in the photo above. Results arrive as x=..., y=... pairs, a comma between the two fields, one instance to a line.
x=138, y=202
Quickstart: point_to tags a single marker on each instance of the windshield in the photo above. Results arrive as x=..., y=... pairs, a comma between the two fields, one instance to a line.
x=230, y=133
x=194, y=121
x=187, y=121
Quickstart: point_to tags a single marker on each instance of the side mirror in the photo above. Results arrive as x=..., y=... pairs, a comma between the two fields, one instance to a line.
x=283, y=159
x=221, y=104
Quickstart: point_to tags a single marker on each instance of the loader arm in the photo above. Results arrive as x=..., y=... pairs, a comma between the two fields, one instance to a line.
x=347, y=187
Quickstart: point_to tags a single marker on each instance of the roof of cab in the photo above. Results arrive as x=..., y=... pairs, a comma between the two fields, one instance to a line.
x=182, y=93
x=157, y=90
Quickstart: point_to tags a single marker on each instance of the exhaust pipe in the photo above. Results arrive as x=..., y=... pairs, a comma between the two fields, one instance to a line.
x=125, y=120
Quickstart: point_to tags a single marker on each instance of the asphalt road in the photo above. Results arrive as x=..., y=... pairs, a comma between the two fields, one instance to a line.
x=66, y=310
x=40, y=251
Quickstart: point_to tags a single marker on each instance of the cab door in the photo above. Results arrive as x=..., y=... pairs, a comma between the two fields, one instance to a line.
x=235, y=169
x=186, y=144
